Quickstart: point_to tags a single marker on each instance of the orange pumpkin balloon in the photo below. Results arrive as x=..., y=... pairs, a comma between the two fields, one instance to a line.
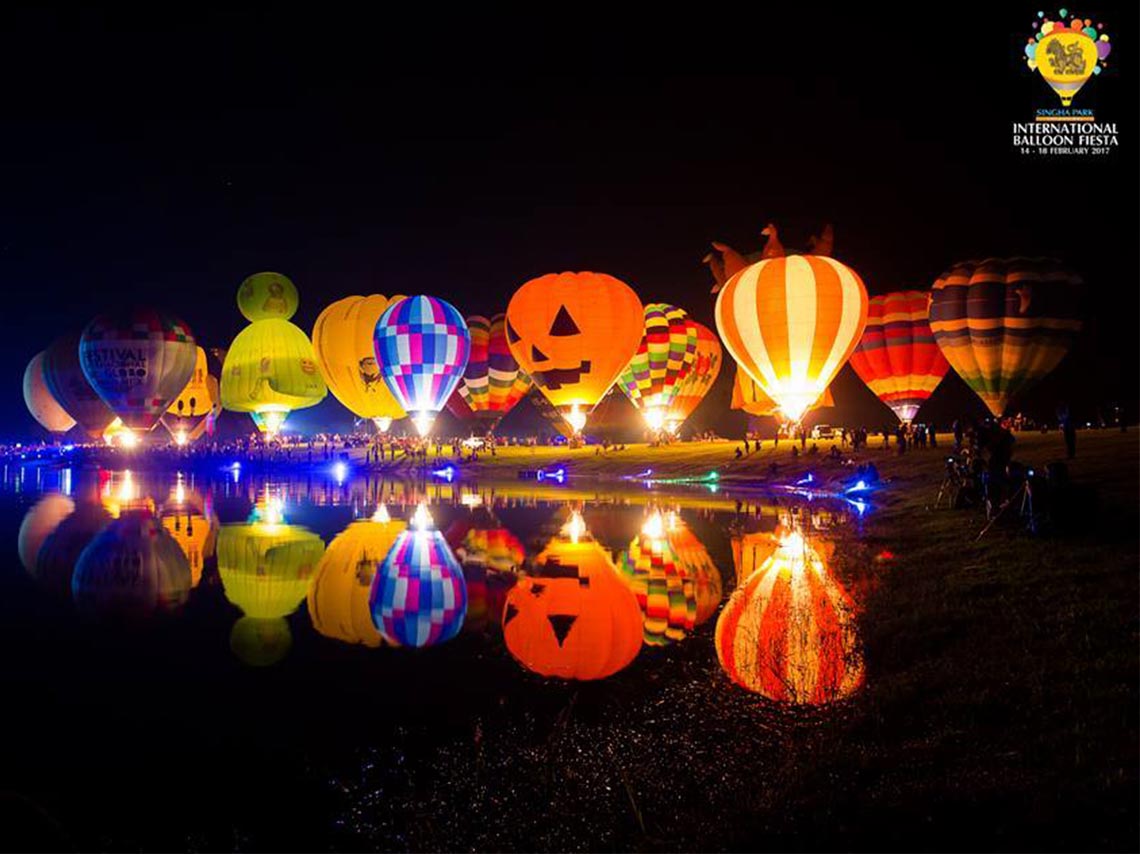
x=574, y=619
x=574, y=333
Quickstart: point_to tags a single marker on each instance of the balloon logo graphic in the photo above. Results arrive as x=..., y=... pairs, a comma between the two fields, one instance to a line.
x=1066, y=59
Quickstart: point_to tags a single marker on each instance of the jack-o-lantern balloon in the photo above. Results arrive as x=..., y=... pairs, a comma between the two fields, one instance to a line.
x=574, y=333
x=573, y=619
x=789, y=632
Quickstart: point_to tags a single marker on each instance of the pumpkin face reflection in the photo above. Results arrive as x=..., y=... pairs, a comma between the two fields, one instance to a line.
x=789, y=633
x=573, y=333
x=574, y=619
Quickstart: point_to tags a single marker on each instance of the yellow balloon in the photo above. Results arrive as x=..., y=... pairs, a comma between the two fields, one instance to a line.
x=268, y=295
x=1066, y=59
x=194, y=400
x=270, y=370
x=342, y=341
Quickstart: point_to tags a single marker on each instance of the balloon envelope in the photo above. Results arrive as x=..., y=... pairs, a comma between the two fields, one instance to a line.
x=138, y=361
x=419, y=597
x=663, y=359
x=271, y=367
x=492, y=382
x=1004, y=323
x=69, y=386
x=40, y=402
x=700, y=378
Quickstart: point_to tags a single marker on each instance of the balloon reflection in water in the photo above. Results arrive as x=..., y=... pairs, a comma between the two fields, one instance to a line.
x=338, y=598
x=490, y=558
x=187, y=519
x=419, y=597
x=131, y=569
x=665, y=593
x=574, y=618
x=789, y=633
x=38, y=524
x=266, y=568
x=51, y=560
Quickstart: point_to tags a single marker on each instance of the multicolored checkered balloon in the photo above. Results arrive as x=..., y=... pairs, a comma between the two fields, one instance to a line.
x=422, y=346
x=493, y=381
x=419, y=597
x=664, y=358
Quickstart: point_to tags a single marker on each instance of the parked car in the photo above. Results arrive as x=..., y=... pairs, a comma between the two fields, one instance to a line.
x=823, y=431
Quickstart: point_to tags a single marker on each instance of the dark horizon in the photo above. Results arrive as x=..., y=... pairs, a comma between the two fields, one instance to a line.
x=163, y=162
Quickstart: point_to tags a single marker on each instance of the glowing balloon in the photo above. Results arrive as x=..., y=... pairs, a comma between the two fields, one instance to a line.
x=789, y=632
x=343, y=342
x=1004, y=323
x=666, y=595
x=419, y=596
x=493, y=382
x=749, y=397
x=40, y=401
x=1065, y=59
x=700, y=378
x=422, y=346
x=897, y=356
x=791, y=323
x=574, y=333
x=264, y=296
x=188, y=415
x=68, y=385
x=663, y=359
x=338, y=597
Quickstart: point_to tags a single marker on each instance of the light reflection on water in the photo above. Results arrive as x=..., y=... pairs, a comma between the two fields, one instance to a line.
x=572, y=583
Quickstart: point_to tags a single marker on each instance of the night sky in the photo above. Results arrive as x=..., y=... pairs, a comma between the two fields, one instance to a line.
x=165, y=159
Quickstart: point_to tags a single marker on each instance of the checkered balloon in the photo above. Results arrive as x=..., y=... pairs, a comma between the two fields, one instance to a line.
x=422, y=346
x=419, y=597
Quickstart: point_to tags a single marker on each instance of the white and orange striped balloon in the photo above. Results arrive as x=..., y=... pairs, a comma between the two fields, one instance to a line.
x=791, y=323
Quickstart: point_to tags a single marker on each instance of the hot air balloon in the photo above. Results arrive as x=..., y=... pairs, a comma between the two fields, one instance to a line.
x=270, y=369
x=419, y=597
x=68, y=385
x=700, y=378
x=338, y=597
x=266, y=567
x=40, y=402
x=1004, y=323
x=188, y=416
x=791, y=323
x=38, y=524
x=343, y=342
x=573, y=618
x=897, y=357
x=663, y=359
x=789, y=632
x=493, y=382
x=422, y=345
x=1066, y=58
x=749, y=397
x=138, y=361
x=131, y=569
x=574, y=333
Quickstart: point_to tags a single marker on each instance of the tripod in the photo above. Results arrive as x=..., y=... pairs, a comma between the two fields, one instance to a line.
x=950, y=487
x=1025, y=493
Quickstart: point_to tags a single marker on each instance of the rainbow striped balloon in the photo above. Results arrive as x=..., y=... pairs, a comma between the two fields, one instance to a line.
x=493, y=382
x=791, y=323
x=897, y=357
x=418, y=596
x=1004, y=323
x=422, y=346
x=665, y=356
x=700, y=378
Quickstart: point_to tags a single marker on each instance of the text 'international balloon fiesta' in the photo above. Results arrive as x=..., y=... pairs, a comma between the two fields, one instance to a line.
x=791, y=323
x=492, y=382
x=661, y=363
x=1004, y=323
x=41, y=402
x=1067, y=52
x=346, y=355
x=138, y=361
x=270, y=368
x=574, y=333
x=693, y=387
x=422, y=346
x=789, y=631
x=897, y=356
x=419, y=597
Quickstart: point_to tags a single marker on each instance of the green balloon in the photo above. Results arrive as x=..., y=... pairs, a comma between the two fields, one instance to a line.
x=265, y=295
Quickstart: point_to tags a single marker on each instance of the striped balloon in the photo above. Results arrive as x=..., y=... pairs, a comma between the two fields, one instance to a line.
x=493, y=382
x=665, y=593
x=422, y=346
x=1004, y=323
x=897, y=357
x=749, y=397
x=419, y=597
x=791, y=323
x=665, y=356
x=789, y=631
x=696, y=383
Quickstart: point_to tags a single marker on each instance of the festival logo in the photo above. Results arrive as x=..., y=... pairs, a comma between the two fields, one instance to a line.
x=1067, y=52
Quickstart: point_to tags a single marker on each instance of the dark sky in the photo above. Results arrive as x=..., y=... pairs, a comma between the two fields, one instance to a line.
x=163, y=159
